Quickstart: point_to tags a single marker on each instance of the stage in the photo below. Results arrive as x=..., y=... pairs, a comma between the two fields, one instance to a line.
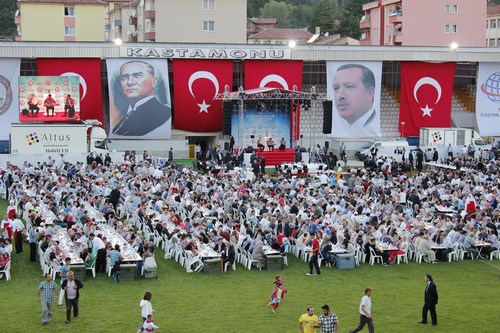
x=57, y=118
x=277, y=157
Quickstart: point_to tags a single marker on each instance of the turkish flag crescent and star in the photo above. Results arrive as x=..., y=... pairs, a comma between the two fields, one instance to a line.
x=275, y=74
x=426, y=92
x=196, y=84
x=89, y=71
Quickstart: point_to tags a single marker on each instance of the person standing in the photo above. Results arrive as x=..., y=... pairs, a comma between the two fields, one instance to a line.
x=365, y=313
x=146, y=307
x=314, y=258
x=308, y=322
x=328, y=321
x=430, y=300
x=450, y=152
x=263, y=165
x=63, y=273
x=46, y=294
x=71, y=287
x=18, y=229
x=99, y=251
x=32, y=240
x=170, y=155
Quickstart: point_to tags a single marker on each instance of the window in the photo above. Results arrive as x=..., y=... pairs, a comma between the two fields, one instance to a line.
x=492, y=42
x=454, y=29
x=208, y=25
x=498, y=42
x=69, y=31
x=69, y=11
x=208, y=4
x=493, y=24
x=446, y=28
x=487, y=24
x=454, y=9
x=256, y=41
x=447, y=9
x=266, y=42
x=279, y=42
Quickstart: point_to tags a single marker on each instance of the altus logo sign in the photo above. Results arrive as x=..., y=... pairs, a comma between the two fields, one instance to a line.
x=32, y=139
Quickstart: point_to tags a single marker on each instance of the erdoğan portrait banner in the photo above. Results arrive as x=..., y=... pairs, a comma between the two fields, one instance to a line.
x=426, y=92
x=197, y=83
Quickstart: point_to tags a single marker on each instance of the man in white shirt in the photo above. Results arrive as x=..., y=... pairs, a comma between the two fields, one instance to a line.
x=365, y=313
x=353, y=92
x=99, y=251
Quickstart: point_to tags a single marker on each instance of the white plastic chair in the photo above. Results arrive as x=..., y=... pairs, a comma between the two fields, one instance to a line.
x=6, y=271
x=495, y=253
x=374, y=257
x=91, y=268
x=419, y=256
x=403, y=257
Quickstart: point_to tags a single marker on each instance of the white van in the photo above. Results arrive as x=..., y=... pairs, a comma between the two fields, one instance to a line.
x=393, y=149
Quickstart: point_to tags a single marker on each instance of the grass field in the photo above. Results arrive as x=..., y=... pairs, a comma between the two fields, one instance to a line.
x=236, y=301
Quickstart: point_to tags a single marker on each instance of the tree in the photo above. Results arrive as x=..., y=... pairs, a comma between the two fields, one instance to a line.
x=322, y=16
x=279, y=10
x=254, y=7
x=348, y=18
x=301, y=16
x=7, y=11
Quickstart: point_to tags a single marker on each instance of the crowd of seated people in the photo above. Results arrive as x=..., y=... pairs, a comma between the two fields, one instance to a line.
x=190, y=207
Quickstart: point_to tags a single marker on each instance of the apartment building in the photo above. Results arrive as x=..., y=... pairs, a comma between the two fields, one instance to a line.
x=424, y=22
x=60, y=20
x=187, y=21
x=493, y=26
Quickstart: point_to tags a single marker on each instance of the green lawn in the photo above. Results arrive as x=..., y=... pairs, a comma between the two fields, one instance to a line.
x=236, y=301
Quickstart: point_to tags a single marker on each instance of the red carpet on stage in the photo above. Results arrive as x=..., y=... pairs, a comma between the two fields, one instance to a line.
x=57, y=118
x=277, y=157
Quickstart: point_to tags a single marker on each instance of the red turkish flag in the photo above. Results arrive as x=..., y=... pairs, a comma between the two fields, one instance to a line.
x=276, y=74
x=426, y=92
x=89, y=71
x=196, y=83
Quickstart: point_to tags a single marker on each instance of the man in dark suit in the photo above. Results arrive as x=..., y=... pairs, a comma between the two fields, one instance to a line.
x=430, y=300
x=145, y=112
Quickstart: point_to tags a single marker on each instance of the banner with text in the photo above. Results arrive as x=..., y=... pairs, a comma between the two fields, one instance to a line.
x=355, y=91
x=488, y=99
x=426, y=93
x=139, y=98
x=89, y=73
x=9, y=95
x=285, y=74
x=197, y=83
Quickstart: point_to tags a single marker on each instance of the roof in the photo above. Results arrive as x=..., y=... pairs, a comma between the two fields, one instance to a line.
x=262, y=20
x=67, y=2
x=493, y=10
x=297, y=34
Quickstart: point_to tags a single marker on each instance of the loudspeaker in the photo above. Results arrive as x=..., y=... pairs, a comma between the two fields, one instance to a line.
x=327, y=144
x=327, y=117
x=227, y=108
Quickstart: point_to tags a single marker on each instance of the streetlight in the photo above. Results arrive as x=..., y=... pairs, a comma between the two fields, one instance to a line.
x=292, y=44
x=118, y=42
x=453, y=46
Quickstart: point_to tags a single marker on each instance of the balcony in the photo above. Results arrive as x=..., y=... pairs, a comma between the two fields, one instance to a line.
x=396, y=17
x=132, y=20
x=132, y=39
x=118, y=23
x=107, y=27
x=365, y=23
x=150, y=36
x=150, y=14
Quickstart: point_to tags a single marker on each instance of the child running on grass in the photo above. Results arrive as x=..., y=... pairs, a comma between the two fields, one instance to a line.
x=277, y=295
x=278, y=280
x=149, y=325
